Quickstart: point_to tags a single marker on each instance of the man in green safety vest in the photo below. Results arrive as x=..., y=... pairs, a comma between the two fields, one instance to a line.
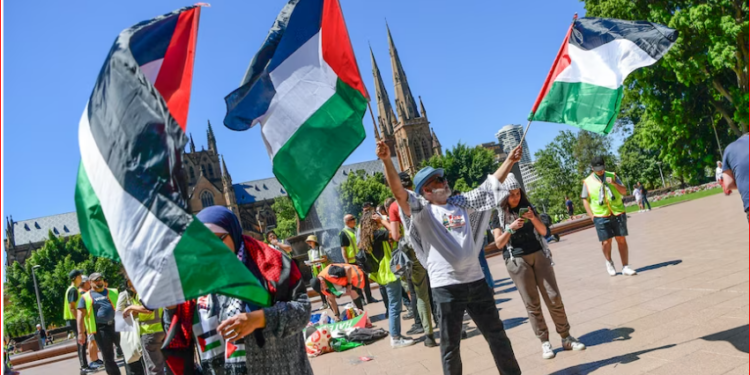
x=602, y=196
x=348, y=239
x=152, y=335
x=96, y=311
x=70, y=312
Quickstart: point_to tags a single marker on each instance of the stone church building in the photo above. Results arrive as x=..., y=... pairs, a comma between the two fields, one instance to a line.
x=406, y=131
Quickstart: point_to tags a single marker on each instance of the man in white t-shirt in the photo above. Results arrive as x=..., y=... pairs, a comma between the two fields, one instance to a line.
x=447, y=233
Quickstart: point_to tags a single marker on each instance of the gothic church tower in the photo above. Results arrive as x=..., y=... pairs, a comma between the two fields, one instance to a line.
x=407, y=131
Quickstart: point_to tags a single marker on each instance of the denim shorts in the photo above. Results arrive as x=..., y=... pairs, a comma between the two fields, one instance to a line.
x=611, y=226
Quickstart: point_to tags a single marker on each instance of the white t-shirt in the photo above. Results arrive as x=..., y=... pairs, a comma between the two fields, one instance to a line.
x=638, y=195
x=719, y=173
x=446, y=241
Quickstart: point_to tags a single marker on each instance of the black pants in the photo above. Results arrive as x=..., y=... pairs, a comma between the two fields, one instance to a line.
x=368, y=292
x=84, y=362
x=477, y=299
x=106, y=339
x=135, y=368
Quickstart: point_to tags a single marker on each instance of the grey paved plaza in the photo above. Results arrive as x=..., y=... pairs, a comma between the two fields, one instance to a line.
x=686, y=312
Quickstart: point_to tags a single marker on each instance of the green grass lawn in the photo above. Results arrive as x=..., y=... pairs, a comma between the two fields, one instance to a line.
x=672, y=200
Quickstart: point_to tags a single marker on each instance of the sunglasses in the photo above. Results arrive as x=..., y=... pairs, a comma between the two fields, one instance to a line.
x=223, y=236
x=438, y=179
x=350, y=219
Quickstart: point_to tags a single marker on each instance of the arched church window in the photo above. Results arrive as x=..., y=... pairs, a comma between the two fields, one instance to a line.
x=210, y=170
x=203, y=169
x=192, y=173
x=207, y=199
x=418, y=151
x=425, y=148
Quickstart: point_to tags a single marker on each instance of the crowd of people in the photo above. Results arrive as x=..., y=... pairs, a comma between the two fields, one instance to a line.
x=424, y=246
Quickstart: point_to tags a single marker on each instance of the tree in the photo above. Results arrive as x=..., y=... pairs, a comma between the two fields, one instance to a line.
x=701, y=82
x=56, y=258
x=465, y=167
x=360, y=188
x=563, y=164
x=640, y=165
x=286, y=217
x=711, y=52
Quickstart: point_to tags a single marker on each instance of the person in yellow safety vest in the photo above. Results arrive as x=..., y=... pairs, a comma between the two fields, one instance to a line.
x=96, y=310
x=70, y=308
x=152, y=335
x=602, y=197
x=315, y=254
x=348, y=240
x=93, y=351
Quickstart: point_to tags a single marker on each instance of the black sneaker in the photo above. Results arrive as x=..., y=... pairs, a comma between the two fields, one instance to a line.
x=415, y=330
x=372, y=300
x=464, y=335
x=409, y=315
x=429, y=341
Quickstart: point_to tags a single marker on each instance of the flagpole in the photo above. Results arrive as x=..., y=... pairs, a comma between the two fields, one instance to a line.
x=575, y=17
x=374, y=124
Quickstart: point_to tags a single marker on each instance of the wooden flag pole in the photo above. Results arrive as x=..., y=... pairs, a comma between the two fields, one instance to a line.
x=575, y=17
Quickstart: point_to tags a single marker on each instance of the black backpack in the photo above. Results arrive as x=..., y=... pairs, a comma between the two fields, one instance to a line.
x=366, y=335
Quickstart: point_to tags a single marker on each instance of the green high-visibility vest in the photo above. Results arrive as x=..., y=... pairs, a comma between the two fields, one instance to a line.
x=90, y=320
x=67, y=315
x=351, y=250
x=384, y=275
x=151, y=322
x=610, y=207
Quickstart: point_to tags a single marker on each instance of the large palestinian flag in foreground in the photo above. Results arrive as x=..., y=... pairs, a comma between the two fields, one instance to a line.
x=128, y=199
x=305, y=89
x=584, y=87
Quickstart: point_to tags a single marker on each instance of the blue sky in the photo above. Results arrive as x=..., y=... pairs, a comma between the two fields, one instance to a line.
x=478, y=66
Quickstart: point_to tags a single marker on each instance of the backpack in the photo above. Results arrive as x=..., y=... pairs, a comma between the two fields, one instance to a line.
x=366, y=335
x=400, y=263
x=365, y=262
x=545, y=219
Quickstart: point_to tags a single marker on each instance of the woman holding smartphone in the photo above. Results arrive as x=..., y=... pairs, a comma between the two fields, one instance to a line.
x=520, y=233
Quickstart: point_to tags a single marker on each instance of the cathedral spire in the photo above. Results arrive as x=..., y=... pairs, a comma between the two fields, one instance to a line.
x=225, y=171
x=386, y=117
x=211, y=138
x=406, y=107
x=192, y=144
x=422, y=110
x=437, y=149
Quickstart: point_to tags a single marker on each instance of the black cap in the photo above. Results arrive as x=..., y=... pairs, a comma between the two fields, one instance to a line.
x=74, y=273
x=405, y=179
x=315, y=285
x=597, y=163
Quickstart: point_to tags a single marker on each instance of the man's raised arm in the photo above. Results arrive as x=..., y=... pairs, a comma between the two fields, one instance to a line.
x=507, y=165
x=391, y=176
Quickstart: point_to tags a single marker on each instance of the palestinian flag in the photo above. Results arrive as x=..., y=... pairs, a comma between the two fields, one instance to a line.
x=584, y=87
x=128, y=197
x=305, y=89
x=235, y=352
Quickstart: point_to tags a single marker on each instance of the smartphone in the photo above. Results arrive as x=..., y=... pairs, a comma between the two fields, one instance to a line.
x=522, y=212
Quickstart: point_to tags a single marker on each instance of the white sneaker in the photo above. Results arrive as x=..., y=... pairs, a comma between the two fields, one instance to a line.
x=572, y=343
x=627, y=271
x=611, y=268
x=547, y=352
x=397, y=343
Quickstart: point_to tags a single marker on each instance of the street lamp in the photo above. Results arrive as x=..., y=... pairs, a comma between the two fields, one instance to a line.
x=663, y=184
x=38, y=300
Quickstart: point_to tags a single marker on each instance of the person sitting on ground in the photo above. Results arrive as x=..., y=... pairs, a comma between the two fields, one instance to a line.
x=337, y=280
x=529, y=264
x=277, y=244
x=271, y=337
